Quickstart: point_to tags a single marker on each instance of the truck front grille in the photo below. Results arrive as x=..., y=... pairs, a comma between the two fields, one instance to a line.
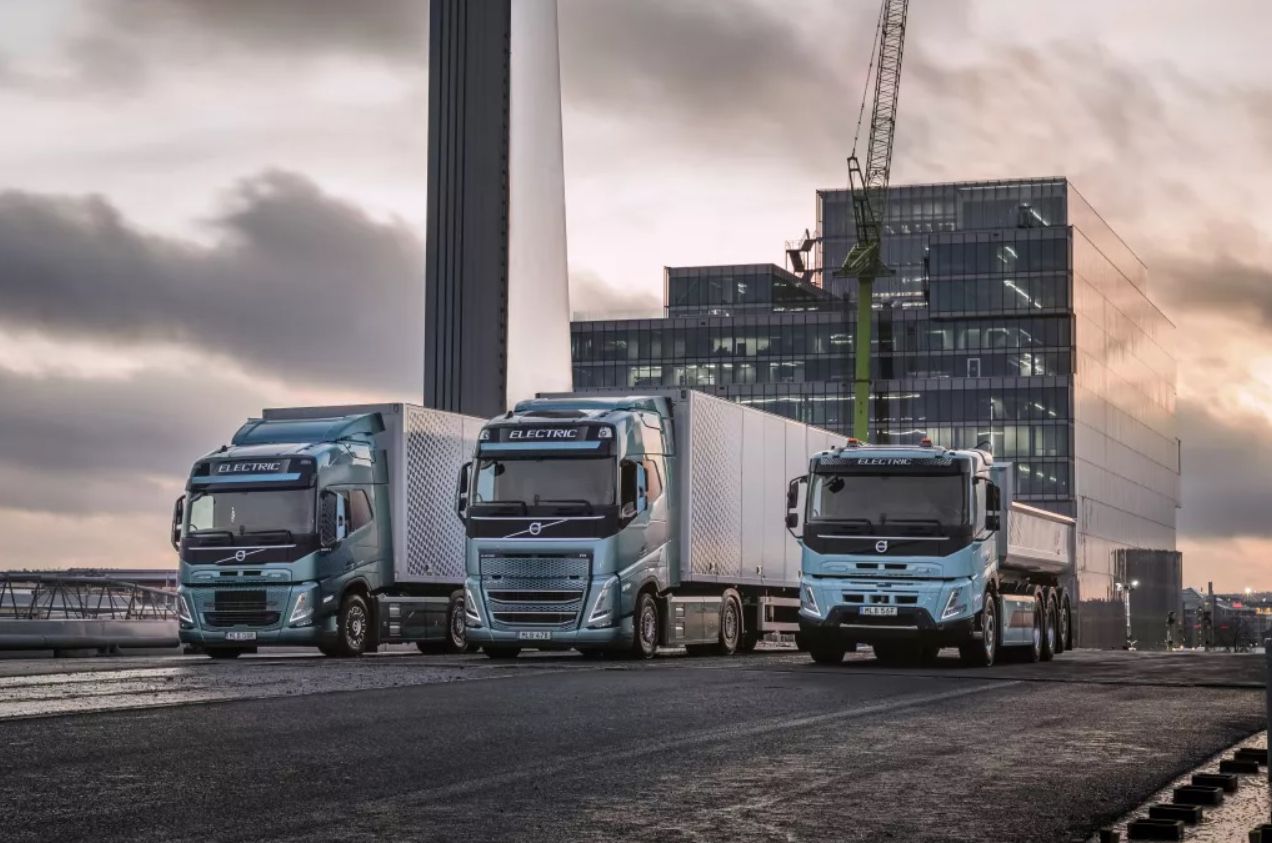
x=240, y=618
x=534, y=590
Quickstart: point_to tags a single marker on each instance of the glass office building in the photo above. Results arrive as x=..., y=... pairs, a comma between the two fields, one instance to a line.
x=1016, y=317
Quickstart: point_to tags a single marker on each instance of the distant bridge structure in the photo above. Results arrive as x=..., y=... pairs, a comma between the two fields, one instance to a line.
x=47, y=610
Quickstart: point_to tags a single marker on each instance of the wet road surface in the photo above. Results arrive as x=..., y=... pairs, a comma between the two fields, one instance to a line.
x=766, y=747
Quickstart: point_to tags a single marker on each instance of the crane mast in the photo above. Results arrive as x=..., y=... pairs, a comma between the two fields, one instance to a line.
x=869, y=188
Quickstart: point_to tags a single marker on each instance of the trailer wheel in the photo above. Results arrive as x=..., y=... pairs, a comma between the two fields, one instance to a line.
x=1049, y=628
x=982, y=653
x=353, y=626
x=645, y=637
x=730, y=625
x=827, y=653
x=502, y=652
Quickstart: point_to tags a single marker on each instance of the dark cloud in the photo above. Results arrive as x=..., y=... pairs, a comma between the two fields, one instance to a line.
x=297, y=283
x=83, y=447
x=389, y=30
x=590, y=297
x=1225, y=285
x=1227, y=460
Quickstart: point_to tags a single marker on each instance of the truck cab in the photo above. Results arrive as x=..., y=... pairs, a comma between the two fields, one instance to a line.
x=568, y=506
x=906, y=549
x=272, y=531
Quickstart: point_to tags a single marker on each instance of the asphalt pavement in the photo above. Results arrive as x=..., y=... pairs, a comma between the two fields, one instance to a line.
x=761, y=747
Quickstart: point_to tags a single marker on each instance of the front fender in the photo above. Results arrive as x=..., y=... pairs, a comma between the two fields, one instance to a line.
x=650, y=569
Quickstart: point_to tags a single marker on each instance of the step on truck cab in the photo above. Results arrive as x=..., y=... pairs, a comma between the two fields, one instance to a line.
x=619, y=523
x=328, y=527
x=911, y=549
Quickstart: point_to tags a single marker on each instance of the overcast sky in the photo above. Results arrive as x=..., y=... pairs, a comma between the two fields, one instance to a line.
x=211, y=206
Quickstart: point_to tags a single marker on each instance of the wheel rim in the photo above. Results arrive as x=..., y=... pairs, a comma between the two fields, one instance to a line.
x=989, y=623
x=458, y=631
x=730, y=623
x=1037, y=629
x=648, y=628
x=1051, y=633
x=356, y=627
x=1064, y=628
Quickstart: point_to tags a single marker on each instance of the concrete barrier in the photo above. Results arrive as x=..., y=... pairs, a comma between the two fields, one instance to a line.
x=71, y=634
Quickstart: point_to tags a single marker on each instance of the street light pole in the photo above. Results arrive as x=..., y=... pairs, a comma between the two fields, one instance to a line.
x=1126, y=589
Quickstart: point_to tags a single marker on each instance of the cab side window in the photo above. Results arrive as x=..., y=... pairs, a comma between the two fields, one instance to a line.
x=653, y=478
x=359, y=507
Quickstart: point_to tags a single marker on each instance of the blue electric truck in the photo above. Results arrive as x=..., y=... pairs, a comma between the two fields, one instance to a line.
x=911, y=549
x=612, y=523
x=328, y=527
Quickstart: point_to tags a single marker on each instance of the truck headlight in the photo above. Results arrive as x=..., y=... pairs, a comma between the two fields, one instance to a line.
x=472, y=610
x=808, y=601
x=955, y=605
x=303, y=611
x=184, y=615
x=602, y=609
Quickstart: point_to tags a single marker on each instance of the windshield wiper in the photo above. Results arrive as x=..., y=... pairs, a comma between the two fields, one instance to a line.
x=283, y=534
x=567, y=501
x=932, y=523
x=200, y=534
x=864, y=522
x=525, y=510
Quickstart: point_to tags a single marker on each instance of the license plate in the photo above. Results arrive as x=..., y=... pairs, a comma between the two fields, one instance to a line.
x=240, y=636
x=534, y=636
x=880, y=611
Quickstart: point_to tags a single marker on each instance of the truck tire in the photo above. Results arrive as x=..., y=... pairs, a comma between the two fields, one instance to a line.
x=1064, y=637
x=827, y=653
x=224, y=652
x=801, y=643
x=501, y=652
x=328, y=650
x=353, y=626
x=749, y=640
x=1050, y=623
x=984, y=652
x=1033, y=652
x=456, y=628
x=893, y=653
x=730, y=625
x=645, y=623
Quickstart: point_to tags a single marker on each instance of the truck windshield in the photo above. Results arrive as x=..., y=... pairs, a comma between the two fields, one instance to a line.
x=881, y=499
x=243, y=513
x=531, y=481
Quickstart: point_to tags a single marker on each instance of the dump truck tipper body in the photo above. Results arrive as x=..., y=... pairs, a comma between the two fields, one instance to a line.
x=624, y=522
x=326, y=526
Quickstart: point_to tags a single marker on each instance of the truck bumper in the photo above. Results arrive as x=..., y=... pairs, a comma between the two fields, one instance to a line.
x=299, y=636
x=846, y=625
x=608, y=638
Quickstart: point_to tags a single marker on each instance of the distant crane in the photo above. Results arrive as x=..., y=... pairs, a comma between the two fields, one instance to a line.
x=869, y=186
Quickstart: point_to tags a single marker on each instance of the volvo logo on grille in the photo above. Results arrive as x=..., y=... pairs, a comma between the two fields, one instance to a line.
x=536, y=528
x=240, y=556
x=881, y=547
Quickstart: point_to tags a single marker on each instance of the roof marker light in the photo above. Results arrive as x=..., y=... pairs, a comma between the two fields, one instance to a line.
x=925, y=442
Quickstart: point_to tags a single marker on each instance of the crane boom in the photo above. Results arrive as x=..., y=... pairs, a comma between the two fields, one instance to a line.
x=869, y=188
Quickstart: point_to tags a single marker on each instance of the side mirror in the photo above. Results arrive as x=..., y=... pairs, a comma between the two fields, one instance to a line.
x=330, y=521
x=642, y=488
x=792, y=492
x=178, y=520
x=992, y=521
x=461, y=496
x=792, y=520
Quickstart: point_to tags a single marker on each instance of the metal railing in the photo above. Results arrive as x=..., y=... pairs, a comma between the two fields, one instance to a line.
x=27, y=595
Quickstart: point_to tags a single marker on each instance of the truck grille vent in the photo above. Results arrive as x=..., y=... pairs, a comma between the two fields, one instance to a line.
x=240, y=618
x=530, y=590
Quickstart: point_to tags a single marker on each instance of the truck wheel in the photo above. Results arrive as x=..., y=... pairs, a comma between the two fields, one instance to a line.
x=1064, y=637
x=748, y=642
x=224, y=652
x=1049, y=624
x=502, y=652
x=328, y=650
x=982, y=653
x=891, y=653
x=645, y=637
x=456, y=630
x=801, y=644
x=827, y=653
x=353, y=626
x=730, y=626
x=1033, y=652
